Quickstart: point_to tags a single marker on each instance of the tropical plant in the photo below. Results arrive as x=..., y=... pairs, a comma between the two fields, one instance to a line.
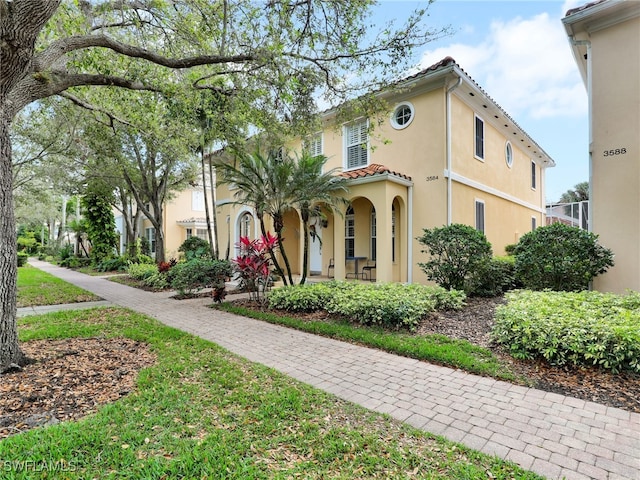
x=560, y=257
x=253, y=264
x=315, y=189
x=263, y=182
x=455, y=252
x=273, y=184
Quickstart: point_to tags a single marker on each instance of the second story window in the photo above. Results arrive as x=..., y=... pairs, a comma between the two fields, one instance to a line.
x=479, y=138
x=534, y=180
x=356, y=138
x=313, y=145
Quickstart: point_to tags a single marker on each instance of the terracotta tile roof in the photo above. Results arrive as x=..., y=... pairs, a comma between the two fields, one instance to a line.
x=371, y=170
x=583, y=7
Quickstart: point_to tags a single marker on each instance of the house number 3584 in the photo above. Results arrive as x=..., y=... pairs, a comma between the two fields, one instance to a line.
x=615, y=151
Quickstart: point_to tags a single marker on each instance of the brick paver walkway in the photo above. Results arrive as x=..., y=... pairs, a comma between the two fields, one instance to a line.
x=553, y=435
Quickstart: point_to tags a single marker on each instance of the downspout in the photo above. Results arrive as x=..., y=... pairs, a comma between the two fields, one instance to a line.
x=449, y=160
x=587, y=43
x=409, y=237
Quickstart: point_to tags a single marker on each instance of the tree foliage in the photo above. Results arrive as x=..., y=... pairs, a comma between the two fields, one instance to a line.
x=455, y=252
x=100, y=225
x=579, y=193
x=561, y=258
x=274, y=56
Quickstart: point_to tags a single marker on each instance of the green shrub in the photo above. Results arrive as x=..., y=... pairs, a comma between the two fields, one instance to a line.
x=492, y=277
x=578, y=328
x=140, y=271
x=561, y=258
x=195, y=247
x=75, y=262
x=189, y=277
x=65, y=252
x=455, y=252
x=113, y=264
x=301, y=298
x=390, y=305
x=509, y=249
x=156, y=281
x=22, y=258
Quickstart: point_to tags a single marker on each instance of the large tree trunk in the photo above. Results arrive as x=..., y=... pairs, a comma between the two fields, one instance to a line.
x=10, y=353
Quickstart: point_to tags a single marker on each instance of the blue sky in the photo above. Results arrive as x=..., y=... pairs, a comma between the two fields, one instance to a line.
x=518, y=52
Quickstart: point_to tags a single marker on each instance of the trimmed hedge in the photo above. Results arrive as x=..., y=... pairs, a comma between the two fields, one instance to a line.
x=390, y=305
x=579, y=328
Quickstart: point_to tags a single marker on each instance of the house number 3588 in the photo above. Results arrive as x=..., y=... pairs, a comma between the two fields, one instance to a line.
x=616, y=151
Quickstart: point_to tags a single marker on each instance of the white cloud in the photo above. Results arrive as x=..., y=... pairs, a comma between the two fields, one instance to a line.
x=525, y=64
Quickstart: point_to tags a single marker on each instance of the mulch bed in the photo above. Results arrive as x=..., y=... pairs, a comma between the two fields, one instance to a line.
x=68, y=379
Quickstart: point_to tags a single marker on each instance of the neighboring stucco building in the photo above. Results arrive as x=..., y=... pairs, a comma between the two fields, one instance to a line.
x=183, y=217
x=446, y=154
x=605, y=39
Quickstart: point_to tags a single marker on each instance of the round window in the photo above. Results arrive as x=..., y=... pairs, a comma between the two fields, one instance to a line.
x=508, y=154
x=402, y=116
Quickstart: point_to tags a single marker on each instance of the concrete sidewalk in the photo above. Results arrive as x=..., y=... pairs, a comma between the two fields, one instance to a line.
x=553, y=435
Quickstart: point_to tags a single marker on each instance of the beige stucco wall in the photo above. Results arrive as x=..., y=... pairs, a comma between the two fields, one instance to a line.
x=420, y=152
x=615, y=150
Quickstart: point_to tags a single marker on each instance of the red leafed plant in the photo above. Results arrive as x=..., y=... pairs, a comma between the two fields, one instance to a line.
x=253, y=263
x=164, y=267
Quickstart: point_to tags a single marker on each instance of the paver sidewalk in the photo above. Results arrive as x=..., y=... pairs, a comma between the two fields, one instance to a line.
x=553, y=435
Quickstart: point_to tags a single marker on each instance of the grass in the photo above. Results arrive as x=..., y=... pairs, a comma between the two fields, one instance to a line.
x=202, y=412
x=36, y=287
x=434, y=348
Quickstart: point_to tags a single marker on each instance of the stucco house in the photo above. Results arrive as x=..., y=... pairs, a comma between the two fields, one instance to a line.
x=447, y=153
x=183, y=217
x=605, y=39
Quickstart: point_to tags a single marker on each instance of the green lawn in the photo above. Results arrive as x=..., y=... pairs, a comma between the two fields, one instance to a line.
x=202, y=412
x=36, y=287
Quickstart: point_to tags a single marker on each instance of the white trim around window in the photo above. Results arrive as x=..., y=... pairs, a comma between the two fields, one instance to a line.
x=356, y=144
x=479, y=215
x=402, y=115
x=534, y=175
x=508, y=154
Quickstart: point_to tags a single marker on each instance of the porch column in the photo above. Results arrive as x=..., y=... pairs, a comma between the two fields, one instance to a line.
x=384, y=262
x=338, y=246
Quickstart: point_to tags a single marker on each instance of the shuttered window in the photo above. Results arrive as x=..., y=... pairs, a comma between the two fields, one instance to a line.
x=356, y=145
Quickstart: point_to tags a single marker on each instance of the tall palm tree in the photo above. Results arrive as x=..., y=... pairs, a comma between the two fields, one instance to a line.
x=261, y=182
x=313, y=188
x=274, y=184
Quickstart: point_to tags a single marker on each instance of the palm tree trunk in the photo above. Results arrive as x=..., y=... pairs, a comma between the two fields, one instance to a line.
x=305, y=254
x=272, y=254
x=278, y=226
